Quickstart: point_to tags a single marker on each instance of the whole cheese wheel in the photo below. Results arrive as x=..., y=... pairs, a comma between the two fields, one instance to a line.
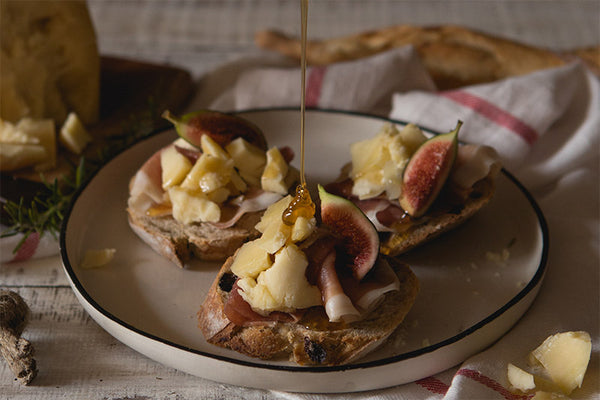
x=50, y=62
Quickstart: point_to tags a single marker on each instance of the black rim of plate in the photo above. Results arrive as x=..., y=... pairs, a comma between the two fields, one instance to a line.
x=374, y=363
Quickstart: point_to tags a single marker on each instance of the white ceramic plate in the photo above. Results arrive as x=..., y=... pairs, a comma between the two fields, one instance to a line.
x=475, y=282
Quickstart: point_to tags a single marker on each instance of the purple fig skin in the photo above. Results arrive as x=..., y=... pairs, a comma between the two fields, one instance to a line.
x=427, y=172
x=222, y=128
x=358, y=234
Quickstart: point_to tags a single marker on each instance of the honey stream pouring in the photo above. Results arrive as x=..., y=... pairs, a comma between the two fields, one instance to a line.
x=302, y=204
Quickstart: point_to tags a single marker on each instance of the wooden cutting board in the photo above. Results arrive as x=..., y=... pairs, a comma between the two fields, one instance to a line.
x=133, y=95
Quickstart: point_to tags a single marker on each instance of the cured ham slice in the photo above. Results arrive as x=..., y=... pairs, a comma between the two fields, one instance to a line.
x=367, y=293
x=146, y=185
x=241, y=313
x=253, y=200
x=322, y=272
x=474, y=163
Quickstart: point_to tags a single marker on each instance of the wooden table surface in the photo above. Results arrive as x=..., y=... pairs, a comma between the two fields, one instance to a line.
x=76, y=358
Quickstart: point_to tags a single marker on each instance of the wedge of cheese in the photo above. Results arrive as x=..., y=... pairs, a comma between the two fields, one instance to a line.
x=50, y=62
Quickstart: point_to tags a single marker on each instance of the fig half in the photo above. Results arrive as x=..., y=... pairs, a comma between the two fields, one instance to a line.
x=222, y=128
x=358, y=234
x=427, y=172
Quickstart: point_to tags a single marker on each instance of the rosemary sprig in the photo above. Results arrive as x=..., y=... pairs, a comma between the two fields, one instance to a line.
x=45, y=212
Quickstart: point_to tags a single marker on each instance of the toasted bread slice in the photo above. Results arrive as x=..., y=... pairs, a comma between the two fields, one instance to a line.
x=178, y=242
x=329, y=344
x=438, y=221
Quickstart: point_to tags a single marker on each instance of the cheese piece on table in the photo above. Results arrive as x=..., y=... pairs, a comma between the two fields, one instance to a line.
x=519, y=379
x=15, y=156
x=73, y=135
x=30, y=142
x=565, y=357
x=97, y=258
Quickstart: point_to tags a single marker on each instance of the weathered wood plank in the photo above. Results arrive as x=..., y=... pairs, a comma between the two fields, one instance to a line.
x=78, y=359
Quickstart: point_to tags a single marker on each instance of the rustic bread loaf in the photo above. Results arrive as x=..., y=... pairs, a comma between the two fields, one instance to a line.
x=325, y=344
x=454, y=56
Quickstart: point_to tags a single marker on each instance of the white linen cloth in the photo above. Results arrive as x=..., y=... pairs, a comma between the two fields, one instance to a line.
x=546, y=128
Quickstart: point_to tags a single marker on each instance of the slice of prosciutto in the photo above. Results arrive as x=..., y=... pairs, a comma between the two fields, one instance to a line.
x=473, y=163
x=367, y=293
x=322, y=272
x=241, y=313
x=145, y=188
x=251, y=201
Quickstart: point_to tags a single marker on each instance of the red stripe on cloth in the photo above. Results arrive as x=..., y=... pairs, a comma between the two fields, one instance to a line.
x=434, y=385
x=313, y=85
x=493, y=113
x=492, y=384
x=28, y=248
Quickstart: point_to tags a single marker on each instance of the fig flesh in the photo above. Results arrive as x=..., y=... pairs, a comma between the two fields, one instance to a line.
x=222, y=128
x=346, y=221
x=427, y=172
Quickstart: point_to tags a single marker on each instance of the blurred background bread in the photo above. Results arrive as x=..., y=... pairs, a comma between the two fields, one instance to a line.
x=454, y=56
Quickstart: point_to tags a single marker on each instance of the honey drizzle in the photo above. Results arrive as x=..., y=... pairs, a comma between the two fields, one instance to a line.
x=304, y=17
x=302, y=205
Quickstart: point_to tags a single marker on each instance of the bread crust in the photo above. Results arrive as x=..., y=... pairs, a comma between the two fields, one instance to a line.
x=330, y=345
x=435, y=224
x=454, y=56
x=178, y=242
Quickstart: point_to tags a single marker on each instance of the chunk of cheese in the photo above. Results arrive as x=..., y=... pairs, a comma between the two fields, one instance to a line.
x=519, y=379
x=282, y=287
x=275, y=172
x=248, y=159
x=378, y=163
x=565, y=357
x=209, y=146
x=73, y=135
x=97, y=258
x=193, y=207
x=208, y=173
x=175, y=167
x=273, y=213
x=30, y=142
x=15, y=156
x=250, y=261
